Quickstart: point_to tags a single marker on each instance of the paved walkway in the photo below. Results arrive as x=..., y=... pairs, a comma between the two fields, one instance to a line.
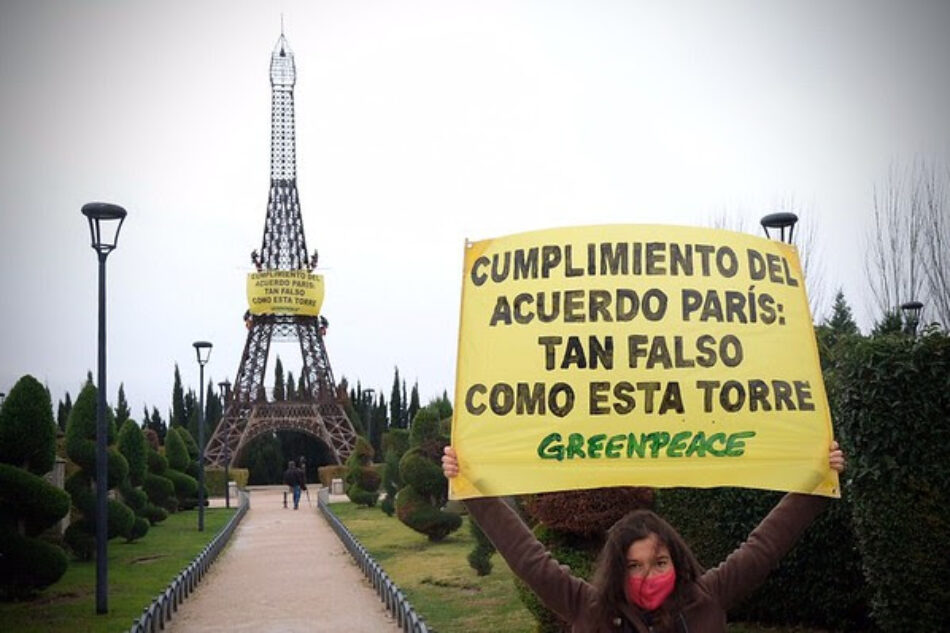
x=284, y=571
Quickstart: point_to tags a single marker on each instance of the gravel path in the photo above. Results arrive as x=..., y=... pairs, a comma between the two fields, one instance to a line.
x=284, y=571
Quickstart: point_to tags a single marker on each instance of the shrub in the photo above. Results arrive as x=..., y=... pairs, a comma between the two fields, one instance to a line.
x=425, y=489
x=479, y=558
x=159, y=489
x=214, y=479
x=362, y=480
x=27, y=430
x=81, y=448
x=395, y=445
x=327, y=474
x=818, y=583
x=133, y=446
x=416, y=512
x=186, y=486
x=893, y=400
x=176, y=451
x=28, y=564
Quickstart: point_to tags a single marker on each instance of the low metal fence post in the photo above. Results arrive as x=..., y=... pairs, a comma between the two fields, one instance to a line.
x=389, y=593
x=167, y=602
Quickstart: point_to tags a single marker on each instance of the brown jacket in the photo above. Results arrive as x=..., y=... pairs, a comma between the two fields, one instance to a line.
x=717, y=591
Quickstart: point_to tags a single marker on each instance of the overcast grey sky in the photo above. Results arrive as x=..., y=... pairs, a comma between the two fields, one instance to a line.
x=419, y=124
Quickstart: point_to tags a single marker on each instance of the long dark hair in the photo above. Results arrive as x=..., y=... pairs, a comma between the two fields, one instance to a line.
x=610, y=573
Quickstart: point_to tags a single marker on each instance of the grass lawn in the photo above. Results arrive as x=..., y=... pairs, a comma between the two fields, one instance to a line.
x=436, y=577
x=138, y=572
x=442, y=587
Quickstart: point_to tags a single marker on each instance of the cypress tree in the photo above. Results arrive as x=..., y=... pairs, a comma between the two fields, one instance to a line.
x=291, y=395
x=403, y=407
x=178, y=417
x=279, y=393
x=122, y=413
x=157, y=424
x=191, y=412
x=414, y=405
x=62, y=412
x=395, y=403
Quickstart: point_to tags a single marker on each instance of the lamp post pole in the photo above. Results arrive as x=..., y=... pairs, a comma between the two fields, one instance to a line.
x=203, y=352
x=225, y=393
x=102, y=217
x=911, y=311
x=3, y=397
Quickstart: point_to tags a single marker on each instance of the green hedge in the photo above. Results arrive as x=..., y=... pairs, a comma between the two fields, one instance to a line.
x=214, y=479
x=894, y=404
x=327, y=474
x=818, y=583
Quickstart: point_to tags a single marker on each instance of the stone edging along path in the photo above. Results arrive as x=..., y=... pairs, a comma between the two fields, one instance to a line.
x=156, y=614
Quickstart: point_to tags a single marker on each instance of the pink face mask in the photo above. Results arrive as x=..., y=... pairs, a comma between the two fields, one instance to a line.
x=649, y=593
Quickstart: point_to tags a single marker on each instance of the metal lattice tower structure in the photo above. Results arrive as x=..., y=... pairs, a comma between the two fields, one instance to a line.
x=318, y=411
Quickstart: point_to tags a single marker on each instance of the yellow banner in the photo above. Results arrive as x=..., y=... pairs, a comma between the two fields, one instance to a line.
x=285, y=292
x=637, y=355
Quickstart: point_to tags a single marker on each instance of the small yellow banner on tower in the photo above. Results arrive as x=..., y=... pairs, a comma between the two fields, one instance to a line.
x=296, y=292
x=637, y=355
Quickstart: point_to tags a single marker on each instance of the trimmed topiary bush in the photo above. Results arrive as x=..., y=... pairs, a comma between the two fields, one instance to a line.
x=395, y=445
x=362, y=480
x=479, y=558
x=419, y=503
x=29, y=504
x=81, y=448
x=159, y=489
x=132, y=445
x=192, y=470
x=186, y=486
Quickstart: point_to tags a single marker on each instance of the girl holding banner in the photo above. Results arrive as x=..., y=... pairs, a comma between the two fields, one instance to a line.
x=646, y=579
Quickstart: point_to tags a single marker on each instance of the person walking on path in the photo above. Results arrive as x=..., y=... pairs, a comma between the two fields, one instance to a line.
x=294, y=478
x=646, y=579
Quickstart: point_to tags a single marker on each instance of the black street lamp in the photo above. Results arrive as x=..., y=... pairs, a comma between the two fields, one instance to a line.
x=225, y=386
x=3, y=397
x=203, y=352
x=911, y=311
x=780, y=221
x=105, y=221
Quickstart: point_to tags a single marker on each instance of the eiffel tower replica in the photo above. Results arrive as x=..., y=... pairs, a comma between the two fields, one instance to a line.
x=318, y=411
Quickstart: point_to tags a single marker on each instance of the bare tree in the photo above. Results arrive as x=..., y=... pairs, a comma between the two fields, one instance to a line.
x=805, y=238
x=907, y=257
x=934, y=183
